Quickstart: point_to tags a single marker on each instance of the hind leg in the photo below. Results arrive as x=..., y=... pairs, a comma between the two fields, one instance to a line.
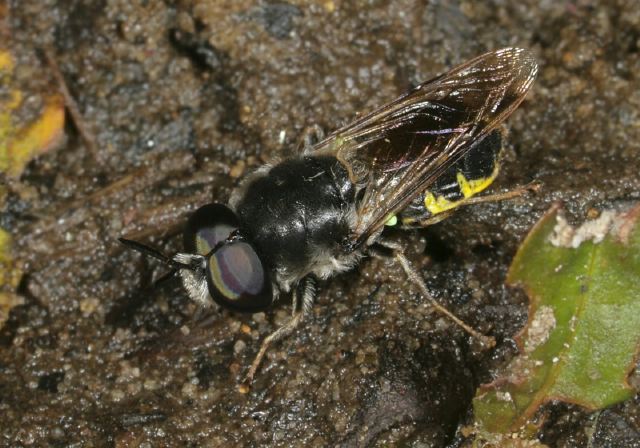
x=428, y=219
x=415, y=277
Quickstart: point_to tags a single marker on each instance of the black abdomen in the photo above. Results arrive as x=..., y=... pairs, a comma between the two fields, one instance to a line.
x=297, y=211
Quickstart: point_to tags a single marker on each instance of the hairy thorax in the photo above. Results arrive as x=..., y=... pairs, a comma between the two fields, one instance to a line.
x=297, y=214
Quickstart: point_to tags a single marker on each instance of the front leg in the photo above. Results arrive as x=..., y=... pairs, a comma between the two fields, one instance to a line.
x=308, y=286
x=415, y=278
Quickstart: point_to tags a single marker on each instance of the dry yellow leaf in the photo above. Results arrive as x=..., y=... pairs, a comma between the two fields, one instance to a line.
x=19, y=145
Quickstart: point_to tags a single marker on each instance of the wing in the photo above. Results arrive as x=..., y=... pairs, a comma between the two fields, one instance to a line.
x=400, y=149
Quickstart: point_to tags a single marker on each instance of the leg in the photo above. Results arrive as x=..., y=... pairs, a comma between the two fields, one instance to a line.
x=310, y=136
x=495, y=197
x=308, y=296
x=295, y=302
x=434, y=219
x=415, y=277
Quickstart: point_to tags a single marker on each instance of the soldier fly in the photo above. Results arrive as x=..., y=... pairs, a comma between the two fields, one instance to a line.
x=412, y=161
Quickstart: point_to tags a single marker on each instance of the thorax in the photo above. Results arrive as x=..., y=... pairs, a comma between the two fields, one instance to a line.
x=297, y=213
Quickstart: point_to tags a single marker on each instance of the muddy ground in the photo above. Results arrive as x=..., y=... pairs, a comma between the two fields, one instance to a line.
x=182, y=98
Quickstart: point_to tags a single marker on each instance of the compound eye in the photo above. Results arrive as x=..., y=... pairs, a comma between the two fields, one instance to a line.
x=237, y=279
x=207, y=226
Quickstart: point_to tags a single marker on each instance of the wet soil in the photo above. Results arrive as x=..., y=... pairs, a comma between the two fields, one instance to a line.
x=182, y=98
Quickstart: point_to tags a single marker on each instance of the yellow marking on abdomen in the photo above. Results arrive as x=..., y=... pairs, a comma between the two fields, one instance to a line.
x=468, y=188
x=475, y=186
x=437, y=204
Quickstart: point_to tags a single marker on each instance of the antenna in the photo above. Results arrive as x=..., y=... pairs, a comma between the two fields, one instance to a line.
x=155, y=253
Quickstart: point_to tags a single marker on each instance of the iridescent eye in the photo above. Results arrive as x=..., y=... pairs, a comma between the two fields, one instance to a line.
x=209, y=225
x=236, y=278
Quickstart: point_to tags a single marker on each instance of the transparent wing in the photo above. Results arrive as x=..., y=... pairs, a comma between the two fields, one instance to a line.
x=400, y=149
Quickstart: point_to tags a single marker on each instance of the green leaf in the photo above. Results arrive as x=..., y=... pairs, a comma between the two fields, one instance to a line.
x=583, y=333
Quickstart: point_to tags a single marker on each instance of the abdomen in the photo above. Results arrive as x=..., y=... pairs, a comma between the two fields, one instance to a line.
x=472, y=174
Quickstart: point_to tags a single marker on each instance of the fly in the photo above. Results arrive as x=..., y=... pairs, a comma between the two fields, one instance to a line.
x=315, y=215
